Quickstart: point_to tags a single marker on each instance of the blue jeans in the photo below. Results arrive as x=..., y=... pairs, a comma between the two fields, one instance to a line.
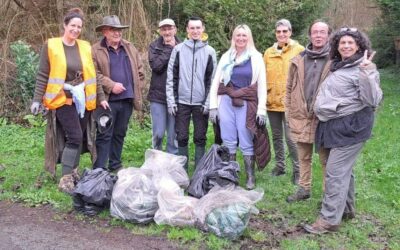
x=161, y=121
x=109, y=145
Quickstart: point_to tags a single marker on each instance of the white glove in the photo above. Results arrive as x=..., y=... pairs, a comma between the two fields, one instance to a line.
x=172, y=110
x=261, y=120
x=35, y=108
x=213, y=115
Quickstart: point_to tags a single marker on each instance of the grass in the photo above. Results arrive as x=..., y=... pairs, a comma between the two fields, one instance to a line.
x=377, y=189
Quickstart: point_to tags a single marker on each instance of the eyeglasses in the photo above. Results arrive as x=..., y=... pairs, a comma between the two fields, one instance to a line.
x=281, y=31
x=348, y=29
x=321, y=32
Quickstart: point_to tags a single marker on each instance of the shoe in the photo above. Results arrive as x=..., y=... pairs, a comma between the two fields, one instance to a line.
x=232, y=157
x=250, y=176
x=277, y=171
x=66, y=184
x=301, y=194
x=348, y=215
x=320, y=226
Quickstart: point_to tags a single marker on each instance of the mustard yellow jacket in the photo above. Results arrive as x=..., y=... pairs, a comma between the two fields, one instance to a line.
x=277, y=67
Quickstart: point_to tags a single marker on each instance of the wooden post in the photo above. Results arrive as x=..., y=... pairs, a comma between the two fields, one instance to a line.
x=397, y=47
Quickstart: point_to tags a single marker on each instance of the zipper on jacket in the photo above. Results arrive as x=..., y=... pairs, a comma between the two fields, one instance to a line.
x=193, y=68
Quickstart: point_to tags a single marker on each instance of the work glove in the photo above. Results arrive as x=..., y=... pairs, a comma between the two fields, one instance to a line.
x=35, y=108
x=261, y=120
x=172, y=110
x=213, y=115
x=204, y=110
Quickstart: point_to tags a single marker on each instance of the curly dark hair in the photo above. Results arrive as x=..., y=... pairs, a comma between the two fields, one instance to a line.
x=361, y=39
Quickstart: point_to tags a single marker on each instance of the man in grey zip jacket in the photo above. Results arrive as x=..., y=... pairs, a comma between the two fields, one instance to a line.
x=190, y=72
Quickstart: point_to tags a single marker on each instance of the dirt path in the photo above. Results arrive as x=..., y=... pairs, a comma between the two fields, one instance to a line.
x=43, y=228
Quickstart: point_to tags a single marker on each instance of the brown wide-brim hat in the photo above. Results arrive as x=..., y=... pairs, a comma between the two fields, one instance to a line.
x=111, y=21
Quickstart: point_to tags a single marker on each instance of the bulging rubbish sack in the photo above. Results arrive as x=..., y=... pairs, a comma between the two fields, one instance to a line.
x=162, y=163
x=214, y=169
x=175, y=209
x=93, y=191
x=226, y=211
x=134, y=197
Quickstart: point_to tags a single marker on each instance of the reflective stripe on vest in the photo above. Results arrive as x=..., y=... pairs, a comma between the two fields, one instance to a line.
x=55, y=96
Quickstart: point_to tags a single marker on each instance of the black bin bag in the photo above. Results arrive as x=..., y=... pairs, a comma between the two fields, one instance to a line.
x=214, y=169
x=93, y=192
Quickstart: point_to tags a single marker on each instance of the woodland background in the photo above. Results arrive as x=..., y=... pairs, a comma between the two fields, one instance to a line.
x=27, y=24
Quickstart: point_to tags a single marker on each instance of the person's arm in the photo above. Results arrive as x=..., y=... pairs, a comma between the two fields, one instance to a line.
x=158, y=59
x=172, y=78
x=261, y=87
x=42, y=76
x=103, y=80
x=209, y=75
x=289, y=84
x=369, y=85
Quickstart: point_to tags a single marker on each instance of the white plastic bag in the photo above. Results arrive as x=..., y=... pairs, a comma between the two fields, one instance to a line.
x=134, y=197
x=160, y=163
x=226, y=211
x=175, y=209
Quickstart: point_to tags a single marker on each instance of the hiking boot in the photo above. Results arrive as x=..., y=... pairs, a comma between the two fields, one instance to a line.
x=277, y=171
x=320, y=226
x=348, y=215
x=66, y=184
x=301, y=194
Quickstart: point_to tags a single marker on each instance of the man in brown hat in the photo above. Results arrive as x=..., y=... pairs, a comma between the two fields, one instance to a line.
x=120, y=71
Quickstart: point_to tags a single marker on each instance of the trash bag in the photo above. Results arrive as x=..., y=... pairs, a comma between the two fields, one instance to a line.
x=134, y=197
x=225, y=211
x=229, y=221
x=93, y=192
x=214, y=168
x=160, y=163
x=175, y=209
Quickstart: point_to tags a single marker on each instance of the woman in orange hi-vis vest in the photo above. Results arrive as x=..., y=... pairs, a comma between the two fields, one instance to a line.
x=66, y=86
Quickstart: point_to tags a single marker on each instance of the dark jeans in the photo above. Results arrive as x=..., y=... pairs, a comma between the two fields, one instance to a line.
x=74, y=127
x=200, y=124
x=109, y=145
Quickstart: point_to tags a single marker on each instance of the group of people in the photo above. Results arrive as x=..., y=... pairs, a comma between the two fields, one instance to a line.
x=323, y=95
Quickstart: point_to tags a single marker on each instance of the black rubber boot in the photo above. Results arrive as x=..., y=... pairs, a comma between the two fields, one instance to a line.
x=184, y=152
x=198, y=154
x=249, y=166
x=232, y=157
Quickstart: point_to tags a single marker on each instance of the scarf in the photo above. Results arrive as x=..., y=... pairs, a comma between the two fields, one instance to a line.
x=317, y=54
x=337, y=63
x=232, y=61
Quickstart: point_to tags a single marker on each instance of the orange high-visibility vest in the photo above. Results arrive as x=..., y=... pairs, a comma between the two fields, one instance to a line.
x=55, y=96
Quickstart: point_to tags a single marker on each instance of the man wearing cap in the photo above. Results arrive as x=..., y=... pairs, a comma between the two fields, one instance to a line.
x=120, y=71
x=190, y=71
x=159, y=54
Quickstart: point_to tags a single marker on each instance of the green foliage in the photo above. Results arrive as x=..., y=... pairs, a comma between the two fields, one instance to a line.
x=222, y=16
x=35, y=121
x=27, y=62
x=385, y=32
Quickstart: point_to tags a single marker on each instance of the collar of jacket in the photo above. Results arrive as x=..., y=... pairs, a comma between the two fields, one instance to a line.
x=190, y=43
x=124, y=43
x=285, y=48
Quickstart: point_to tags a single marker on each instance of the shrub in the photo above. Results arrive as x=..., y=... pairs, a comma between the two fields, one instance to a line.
x=27, y=63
